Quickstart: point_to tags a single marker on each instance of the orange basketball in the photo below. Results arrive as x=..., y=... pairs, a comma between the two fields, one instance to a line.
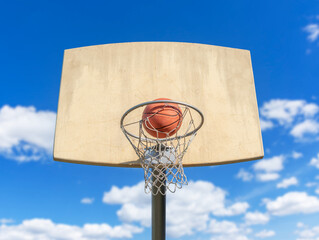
x=162, y=119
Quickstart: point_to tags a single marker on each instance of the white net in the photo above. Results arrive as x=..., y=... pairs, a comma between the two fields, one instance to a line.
x=161, y=152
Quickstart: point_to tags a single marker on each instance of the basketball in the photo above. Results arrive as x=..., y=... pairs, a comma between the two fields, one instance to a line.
x=162, y=120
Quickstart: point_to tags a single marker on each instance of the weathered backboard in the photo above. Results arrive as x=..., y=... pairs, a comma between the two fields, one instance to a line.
x=99, y=83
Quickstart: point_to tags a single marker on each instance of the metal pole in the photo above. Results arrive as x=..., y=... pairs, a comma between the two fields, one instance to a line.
x=158, y=206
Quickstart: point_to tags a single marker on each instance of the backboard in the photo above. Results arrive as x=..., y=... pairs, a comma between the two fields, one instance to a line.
x=99, y=83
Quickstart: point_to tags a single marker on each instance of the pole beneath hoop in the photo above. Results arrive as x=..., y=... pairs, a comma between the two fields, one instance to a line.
x=158, y=205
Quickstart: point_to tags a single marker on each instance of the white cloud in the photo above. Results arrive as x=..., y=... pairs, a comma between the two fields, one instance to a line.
x=308, y=233
x=226, y=230
x=317, y=191
x=287, y=182
x=297, y=115
x=273, y=164
x=267, y=169
x=315, y=161
x=300, y=225
x=254, y=218
x=281, y=110
x=265, y=234
x=235, y=209
x=224, y=227
x=25, y=133
x=306, y=127
x=266, y=124
x=127, y=194
x=6, y=220
x=284, y=111
x=293, y=203
x=87, y=200
x=296, y=155
x=198, y=201
x=136, y=205
x=244, y=175
x=310, y=109
x=230, y=237
x=265, y=177
x=313, y=31
x=311, y=184
x=45, y=229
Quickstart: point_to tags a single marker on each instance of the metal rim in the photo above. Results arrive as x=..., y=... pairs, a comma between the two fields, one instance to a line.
x=162, y=101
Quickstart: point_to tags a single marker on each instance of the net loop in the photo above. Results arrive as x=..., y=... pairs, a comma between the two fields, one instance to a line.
x=162, y=157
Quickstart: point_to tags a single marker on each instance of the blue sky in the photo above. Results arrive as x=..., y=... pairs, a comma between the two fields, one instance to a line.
x=275, y=198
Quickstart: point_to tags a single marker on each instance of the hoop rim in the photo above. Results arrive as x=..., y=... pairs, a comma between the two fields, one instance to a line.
x=162, y=101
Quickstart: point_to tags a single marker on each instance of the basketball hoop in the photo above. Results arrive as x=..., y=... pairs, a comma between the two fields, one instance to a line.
x=85, y=132
x=161, y=149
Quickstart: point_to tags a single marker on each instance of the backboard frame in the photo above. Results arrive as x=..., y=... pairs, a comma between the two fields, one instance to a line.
x=217, y=80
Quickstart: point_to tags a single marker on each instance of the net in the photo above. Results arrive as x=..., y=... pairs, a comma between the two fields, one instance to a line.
x=161, y=152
